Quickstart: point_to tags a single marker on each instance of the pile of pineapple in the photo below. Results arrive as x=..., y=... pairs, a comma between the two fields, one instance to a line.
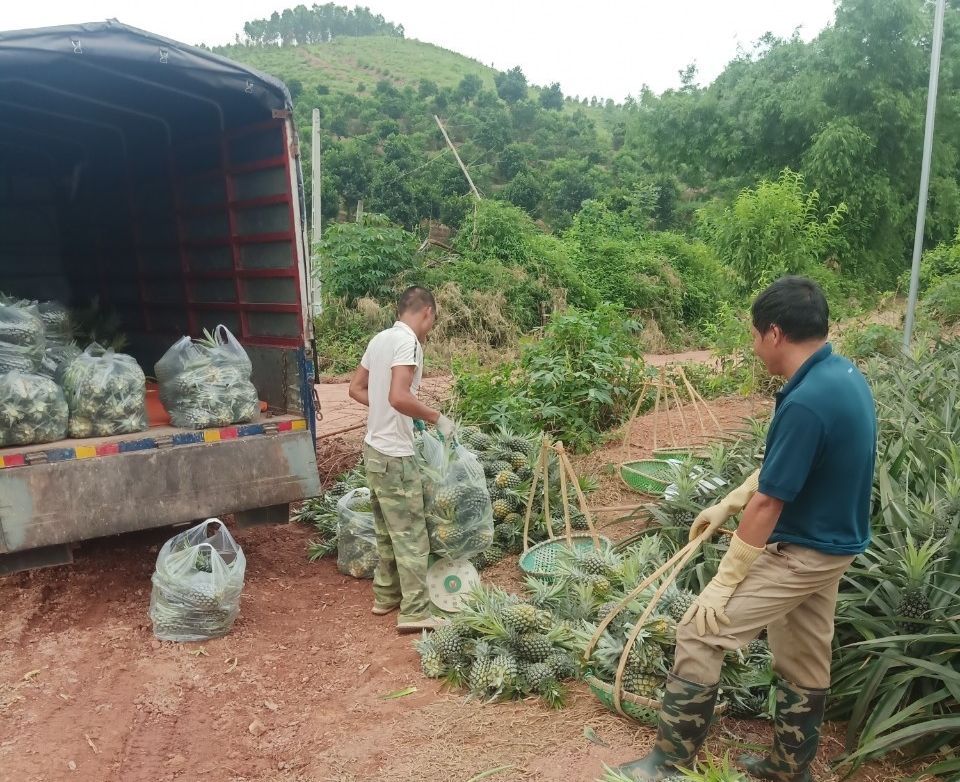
x=500, y=648
x=508, y=461
x=491, y=651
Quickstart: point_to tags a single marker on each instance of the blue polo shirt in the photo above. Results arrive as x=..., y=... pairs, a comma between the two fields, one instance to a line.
x=820, y=453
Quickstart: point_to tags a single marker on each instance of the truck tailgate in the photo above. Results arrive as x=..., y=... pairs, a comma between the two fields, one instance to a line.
x=61, y=496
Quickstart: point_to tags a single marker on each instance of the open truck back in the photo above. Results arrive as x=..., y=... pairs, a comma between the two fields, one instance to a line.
x=164, y=182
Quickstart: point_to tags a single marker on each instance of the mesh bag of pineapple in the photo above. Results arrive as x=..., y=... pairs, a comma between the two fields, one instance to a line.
x=197, y=584
x=356, y=536
x=105, y=391
x=32, y=410
x=458, y=511
x=22, y=338
x=206, y=382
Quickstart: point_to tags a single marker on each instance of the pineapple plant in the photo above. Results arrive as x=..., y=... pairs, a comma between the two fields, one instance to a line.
x=914, y=604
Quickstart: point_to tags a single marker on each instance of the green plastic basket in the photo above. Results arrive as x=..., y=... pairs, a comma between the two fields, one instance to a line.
x=646, y=711
x=540, y=560
x=647, y=476
x=643, y=710
x=687, y=454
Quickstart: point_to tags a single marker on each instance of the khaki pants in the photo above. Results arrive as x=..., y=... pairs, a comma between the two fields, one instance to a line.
x=790, y=590
x=402, y=542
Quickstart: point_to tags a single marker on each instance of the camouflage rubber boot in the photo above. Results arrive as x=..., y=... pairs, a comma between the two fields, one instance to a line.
x=684, y=721
x=796, y=736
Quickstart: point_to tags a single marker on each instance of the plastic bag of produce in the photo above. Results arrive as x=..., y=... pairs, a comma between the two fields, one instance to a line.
x=457, y=503
x=56, y=322
x=22, y=338
x=106, y=393
x=197, y=584
x=32, y=410
x=206, y=383
x=356, y=536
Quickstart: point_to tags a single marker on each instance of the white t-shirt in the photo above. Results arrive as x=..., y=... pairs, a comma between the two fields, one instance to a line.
x=388, y=431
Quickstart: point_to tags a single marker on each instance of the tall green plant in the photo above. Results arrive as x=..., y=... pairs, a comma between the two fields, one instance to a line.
x=772, y=230
x=364, y=258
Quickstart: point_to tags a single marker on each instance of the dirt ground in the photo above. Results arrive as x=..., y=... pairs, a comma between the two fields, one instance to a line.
x=295, y=693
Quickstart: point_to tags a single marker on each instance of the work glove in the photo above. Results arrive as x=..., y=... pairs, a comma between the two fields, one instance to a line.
x=447, y=428
x=418, y=425
x=709, y=608
x=716, y=516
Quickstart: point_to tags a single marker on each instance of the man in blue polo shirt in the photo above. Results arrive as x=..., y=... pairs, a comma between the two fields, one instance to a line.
x=806, y=515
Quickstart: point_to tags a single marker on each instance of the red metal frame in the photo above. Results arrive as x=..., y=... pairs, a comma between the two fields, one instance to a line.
x=228, y=172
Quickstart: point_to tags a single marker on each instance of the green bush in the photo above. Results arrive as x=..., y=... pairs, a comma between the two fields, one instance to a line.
x=575, y=382
x=364, y=258
x=871, y=340
x=943, y=301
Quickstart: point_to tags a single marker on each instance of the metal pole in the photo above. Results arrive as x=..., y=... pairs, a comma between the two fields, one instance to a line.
x=924, y=174
x=315, y=214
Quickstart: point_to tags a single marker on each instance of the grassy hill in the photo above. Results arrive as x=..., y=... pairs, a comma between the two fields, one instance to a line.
x=346, y=63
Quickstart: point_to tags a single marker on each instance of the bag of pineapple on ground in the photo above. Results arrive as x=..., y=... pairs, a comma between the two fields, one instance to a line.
x=356, y=535
x=457, y=504
x=106, y=393
x=32, y=410
x=197, y=584
x=22, y=338
x=206, y=383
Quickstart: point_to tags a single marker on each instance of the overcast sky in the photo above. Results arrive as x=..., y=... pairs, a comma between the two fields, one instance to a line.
x=607, y=48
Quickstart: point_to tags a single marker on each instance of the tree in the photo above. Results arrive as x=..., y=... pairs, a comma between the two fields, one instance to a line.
x=524, y=191
x=551, y=97
x=511, y=85
x=469, y=87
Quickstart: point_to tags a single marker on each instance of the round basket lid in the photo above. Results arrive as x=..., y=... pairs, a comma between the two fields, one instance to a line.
x=449, y=581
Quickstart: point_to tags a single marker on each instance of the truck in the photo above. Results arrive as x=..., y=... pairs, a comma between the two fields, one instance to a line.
x=163, y=182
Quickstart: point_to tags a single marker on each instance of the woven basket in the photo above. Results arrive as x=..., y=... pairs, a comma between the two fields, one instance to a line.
x=540, y=560
x=687, y=454
x=643, y=710
x=648, y=476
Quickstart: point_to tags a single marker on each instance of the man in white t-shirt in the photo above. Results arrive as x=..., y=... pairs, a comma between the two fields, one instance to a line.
x=387, y=381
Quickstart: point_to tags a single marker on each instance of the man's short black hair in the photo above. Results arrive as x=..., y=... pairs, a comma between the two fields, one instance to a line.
x=794, y=304
x=414, y=299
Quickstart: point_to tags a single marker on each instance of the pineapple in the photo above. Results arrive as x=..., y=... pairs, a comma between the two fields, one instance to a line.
x=431, y=662
x=680, y=603
x=448, y=642
x=533, y=647
x=521, y=617
x=507, y=479
x=561, y=664
x=643, y=684
x=914, y=603
x=505, y=671
x=488, y=557
x=536, y=674
x=481, y=676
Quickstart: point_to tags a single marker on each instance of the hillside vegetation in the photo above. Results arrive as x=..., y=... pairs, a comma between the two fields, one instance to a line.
x=800, y=158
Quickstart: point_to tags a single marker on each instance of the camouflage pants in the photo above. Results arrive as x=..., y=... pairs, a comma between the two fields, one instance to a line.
x=792, y=591
x=402, y=543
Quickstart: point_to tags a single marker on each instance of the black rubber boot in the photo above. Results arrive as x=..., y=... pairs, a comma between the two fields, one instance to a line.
x=684, y=721
x=796, y=736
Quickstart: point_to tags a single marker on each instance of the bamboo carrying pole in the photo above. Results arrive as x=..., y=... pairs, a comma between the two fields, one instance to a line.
x=541, y=475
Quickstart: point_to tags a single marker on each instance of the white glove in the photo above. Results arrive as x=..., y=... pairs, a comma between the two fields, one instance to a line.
x=446, y=427
x=716, y=516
